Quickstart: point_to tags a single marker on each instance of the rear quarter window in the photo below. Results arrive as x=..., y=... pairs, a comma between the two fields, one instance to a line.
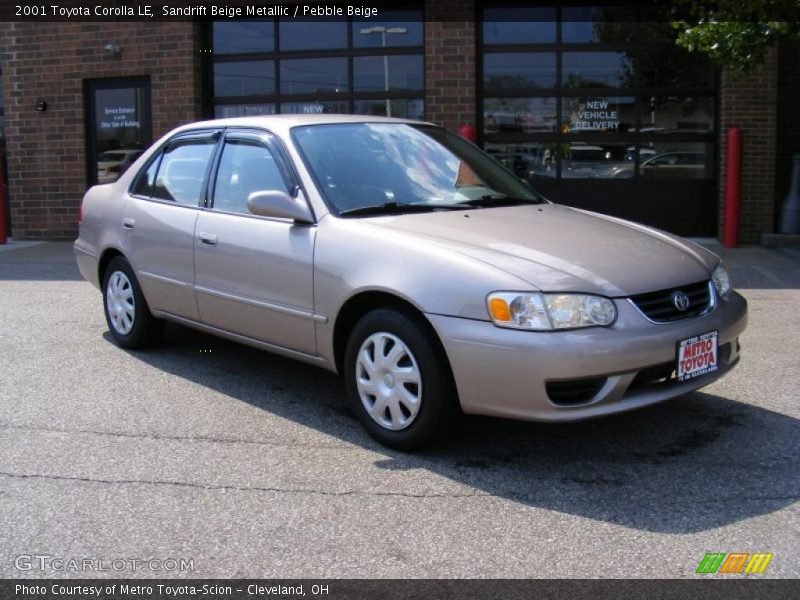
x=146, y=180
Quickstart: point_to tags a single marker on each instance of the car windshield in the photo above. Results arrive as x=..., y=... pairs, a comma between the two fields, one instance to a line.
x=369, y=168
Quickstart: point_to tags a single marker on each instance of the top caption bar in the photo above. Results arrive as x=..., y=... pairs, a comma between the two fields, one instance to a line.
x=384, y=10
x=110, y=10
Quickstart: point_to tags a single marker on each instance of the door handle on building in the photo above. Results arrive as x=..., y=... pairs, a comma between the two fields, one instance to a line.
x=209, y=239
x=128, y=223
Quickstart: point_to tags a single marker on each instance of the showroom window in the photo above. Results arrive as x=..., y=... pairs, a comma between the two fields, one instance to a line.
x=371, y=66
x=593, y=93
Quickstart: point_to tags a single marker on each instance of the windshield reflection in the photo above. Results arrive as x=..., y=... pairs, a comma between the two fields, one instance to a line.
x=361, y=165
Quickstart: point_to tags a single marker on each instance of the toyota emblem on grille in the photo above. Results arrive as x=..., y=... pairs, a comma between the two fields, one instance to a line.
x=680, y=300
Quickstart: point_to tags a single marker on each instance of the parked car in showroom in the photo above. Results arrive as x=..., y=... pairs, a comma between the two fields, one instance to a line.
x=667, y=165
x=406, y=259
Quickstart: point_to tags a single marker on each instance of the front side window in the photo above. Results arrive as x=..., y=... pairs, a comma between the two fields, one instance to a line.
x=245, y=167
x=182, y=171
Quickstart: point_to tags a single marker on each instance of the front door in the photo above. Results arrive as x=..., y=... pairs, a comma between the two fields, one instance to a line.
x=253, y=275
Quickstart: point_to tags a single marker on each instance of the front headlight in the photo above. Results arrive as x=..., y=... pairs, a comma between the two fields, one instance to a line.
x=721, y=279
x=546, y=312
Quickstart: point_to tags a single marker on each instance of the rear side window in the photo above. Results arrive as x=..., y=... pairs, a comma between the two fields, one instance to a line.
x=245, y=167
x=182, y=171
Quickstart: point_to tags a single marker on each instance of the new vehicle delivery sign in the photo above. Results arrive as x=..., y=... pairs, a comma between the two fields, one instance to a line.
x=697, y=356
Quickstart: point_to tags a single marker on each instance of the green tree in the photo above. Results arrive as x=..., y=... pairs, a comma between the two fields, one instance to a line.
x=736, y=33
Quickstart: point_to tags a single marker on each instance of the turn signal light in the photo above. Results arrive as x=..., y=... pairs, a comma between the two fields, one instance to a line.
x=499, y=309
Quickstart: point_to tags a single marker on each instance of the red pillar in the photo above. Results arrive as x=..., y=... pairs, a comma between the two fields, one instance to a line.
x=3, y=226
x=733, y=185
x=468, y=133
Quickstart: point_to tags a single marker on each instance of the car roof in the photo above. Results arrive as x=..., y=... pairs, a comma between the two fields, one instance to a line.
x=282, y=123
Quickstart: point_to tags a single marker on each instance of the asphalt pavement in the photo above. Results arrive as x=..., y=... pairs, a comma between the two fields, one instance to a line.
x=248, y=465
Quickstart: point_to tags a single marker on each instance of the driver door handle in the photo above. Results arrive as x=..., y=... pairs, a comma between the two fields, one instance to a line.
x=128, y=223
x=209, y=239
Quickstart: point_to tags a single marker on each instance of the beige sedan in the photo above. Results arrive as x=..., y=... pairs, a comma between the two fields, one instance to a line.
x=404, y=258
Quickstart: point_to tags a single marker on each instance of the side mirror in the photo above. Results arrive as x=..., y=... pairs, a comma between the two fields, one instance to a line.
x=278, y=204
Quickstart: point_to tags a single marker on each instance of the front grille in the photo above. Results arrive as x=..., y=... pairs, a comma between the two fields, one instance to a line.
x=658, y=306
x=574, y=391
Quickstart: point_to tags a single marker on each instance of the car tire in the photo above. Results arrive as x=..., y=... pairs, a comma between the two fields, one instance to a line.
x=128, y=316
x=398, y=379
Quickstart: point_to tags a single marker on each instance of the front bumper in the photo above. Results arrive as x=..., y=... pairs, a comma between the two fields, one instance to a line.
x=504, y=372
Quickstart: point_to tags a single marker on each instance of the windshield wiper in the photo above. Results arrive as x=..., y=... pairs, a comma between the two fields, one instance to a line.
x=396, y=208
x=489, y=200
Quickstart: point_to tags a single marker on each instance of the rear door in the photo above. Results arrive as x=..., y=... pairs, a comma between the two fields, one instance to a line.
x=159, y=218
x=254, y=275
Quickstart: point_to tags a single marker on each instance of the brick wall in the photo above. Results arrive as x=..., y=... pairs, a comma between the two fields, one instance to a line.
x=750, y=102
x=50, y=61
x=450, y=79
x=788, y=135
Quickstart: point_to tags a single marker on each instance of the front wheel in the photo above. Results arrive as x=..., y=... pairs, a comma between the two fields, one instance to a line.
x=398, y=379
x=127, y=313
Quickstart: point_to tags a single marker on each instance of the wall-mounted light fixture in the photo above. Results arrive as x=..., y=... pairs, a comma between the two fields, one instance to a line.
x=112, y=49
x=41, y=106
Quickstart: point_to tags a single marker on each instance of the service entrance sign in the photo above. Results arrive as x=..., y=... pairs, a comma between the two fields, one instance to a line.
x=118, y=125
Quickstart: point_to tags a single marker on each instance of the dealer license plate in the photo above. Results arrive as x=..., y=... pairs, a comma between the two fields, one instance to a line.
x=697, y=356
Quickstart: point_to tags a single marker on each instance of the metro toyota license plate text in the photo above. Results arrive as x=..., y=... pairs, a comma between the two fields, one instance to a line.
x=697, y=356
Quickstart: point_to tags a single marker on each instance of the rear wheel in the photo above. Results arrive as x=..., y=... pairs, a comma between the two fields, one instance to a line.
x=127, y=314
x=398, y=379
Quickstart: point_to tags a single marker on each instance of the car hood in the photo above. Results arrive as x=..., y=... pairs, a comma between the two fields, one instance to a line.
x=557, y=248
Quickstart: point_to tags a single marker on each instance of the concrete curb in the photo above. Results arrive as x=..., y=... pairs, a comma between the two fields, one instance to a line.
x=780, y=240
x=12, y=245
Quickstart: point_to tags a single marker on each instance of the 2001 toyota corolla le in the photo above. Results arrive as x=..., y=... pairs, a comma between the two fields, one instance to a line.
x=406, y=259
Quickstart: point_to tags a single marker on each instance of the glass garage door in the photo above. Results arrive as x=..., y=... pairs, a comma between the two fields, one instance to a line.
x=598, y=108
